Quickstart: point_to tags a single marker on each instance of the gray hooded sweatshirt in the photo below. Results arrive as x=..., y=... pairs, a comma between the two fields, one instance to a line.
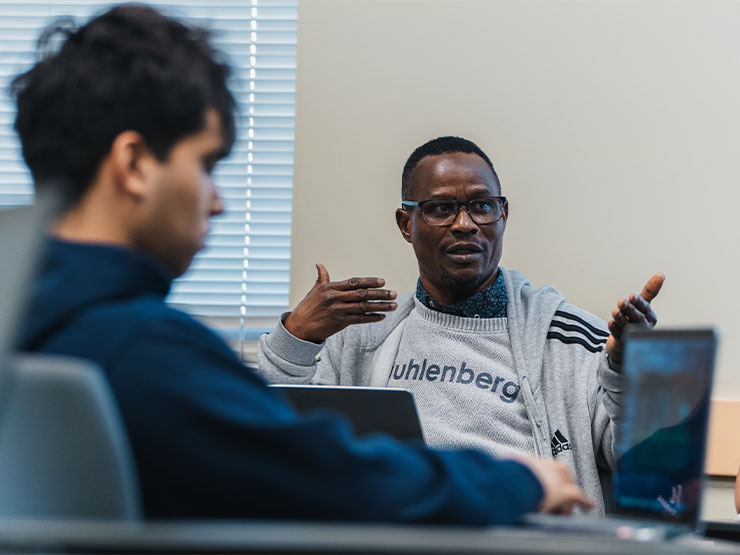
x=570, y=391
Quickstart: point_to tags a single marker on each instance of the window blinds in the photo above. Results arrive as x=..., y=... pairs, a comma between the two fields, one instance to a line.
x=239, y=282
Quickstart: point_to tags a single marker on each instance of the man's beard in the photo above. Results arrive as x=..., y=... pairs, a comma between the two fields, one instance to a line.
x=462, y=289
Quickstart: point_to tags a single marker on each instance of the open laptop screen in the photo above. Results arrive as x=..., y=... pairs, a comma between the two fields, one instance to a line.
x=663, y=433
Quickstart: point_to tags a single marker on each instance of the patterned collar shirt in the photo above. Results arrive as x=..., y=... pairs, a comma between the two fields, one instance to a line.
x=489, y=303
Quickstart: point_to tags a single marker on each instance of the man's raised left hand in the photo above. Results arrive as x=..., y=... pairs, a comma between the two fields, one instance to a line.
x=634, y=310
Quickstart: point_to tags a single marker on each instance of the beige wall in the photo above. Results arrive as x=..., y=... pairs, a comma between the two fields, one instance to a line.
x=614, y=126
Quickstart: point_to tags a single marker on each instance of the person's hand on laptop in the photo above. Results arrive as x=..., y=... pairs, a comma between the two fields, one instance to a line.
x=634, y=310
x=331, y=306
x=561, y=493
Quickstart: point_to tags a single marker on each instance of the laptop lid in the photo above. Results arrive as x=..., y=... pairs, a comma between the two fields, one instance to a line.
x=369, y=409
x=662, y=435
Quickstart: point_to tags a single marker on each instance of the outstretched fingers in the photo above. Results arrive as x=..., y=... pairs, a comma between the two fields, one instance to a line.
x=634, y=310
x=652, y=287
x=357, y=283
x=360, y=295
x=331, y=306
x=363, y=318
x=323, y=274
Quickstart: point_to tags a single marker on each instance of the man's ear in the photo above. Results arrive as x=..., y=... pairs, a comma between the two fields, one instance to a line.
x=403, y=220
x=131, y=164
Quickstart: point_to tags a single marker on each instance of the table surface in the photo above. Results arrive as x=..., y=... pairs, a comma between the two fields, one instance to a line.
x=23, y=536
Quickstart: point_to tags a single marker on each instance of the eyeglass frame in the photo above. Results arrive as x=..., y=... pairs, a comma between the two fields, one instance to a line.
x=504, y=202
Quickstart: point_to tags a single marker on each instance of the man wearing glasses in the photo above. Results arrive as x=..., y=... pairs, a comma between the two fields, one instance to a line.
x=492, y=362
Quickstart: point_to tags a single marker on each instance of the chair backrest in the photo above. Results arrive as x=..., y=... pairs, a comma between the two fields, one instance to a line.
x=21, y=240
x=64, y=453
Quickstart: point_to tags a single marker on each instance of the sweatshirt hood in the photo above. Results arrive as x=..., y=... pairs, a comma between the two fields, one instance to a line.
x=72, y=276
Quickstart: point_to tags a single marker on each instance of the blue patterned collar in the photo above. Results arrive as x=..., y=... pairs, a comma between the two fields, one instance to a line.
x=489, y=303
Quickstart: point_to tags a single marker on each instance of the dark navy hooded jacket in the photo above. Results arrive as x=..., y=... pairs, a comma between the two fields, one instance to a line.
x=210, y=439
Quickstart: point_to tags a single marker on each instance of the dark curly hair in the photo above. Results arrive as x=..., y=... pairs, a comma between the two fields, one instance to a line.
x=440, y=145
x=129, y=68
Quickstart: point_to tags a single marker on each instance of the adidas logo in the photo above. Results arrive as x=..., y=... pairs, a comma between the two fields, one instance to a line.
x=559, y=443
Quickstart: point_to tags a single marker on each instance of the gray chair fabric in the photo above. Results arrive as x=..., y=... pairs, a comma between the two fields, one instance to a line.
x=64, y=453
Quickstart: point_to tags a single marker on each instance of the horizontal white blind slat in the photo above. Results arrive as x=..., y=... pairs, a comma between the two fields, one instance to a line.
x=241, y=279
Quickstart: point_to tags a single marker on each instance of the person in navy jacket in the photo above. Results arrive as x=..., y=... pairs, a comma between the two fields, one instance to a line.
x=127, y=119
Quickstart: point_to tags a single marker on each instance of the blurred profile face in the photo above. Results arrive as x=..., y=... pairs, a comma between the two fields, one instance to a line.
x=460, y=259
x=184, y=197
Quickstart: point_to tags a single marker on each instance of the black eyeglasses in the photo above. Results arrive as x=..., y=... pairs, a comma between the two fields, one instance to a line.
x=482, y=211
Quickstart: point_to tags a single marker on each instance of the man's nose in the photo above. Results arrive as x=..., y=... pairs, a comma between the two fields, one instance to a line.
x=463, y=222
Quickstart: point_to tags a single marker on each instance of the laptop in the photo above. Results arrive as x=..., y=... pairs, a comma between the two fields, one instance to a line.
x=661, y=438
x=370, y=410
x=728, y=529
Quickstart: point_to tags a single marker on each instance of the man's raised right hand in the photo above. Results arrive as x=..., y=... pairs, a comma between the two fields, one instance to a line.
x=331, y=306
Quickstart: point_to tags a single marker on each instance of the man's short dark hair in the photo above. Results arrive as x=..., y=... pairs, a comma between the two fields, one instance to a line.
x=130, y=68
x=440, y=145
